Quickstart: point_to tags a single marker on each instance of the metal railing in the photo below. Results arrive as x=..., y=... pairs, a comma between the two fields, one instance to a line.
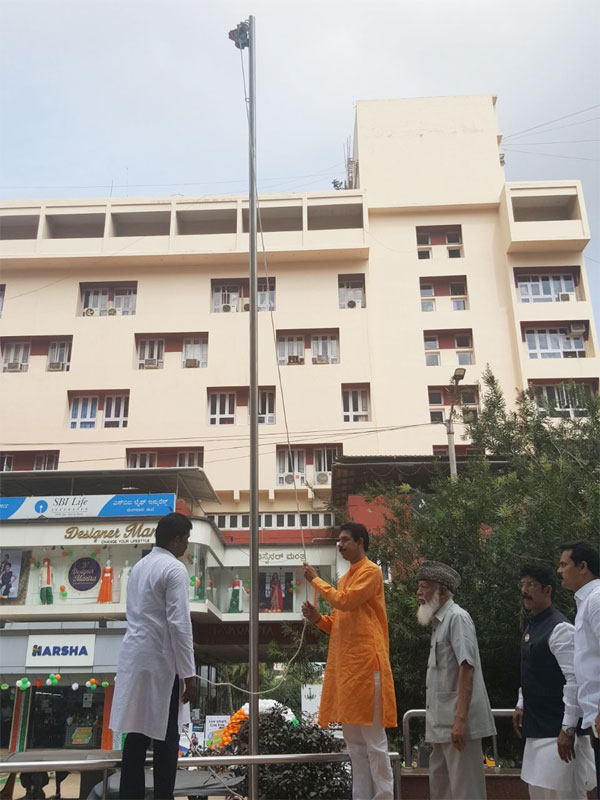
x=105, y=764
x=420, y=712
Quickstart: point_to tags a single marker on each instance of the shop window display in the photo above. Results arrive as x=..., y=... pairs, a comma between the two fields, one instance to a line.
x=61, y=717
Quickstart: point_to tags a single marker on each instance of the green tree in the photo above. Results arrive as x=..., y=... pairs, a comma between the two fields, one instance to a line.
x=541, y=488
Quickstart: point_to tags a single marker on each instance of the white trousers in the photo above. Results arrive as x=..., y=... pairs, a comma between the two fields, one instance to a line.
x=455, y=775
x=372, y=777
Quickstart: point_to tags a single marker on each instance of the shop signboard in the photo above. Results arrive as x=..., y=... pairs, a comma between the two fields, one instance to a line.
x=94, y=505
x=84, y=574
x=279, y=557
x=56, y=650
x=215, y=723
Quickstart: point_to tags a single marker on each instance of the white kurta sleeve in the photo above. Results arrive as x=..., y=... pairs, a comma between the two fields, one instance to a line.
x=520, y=699
x=179, y=621
x=562, y=647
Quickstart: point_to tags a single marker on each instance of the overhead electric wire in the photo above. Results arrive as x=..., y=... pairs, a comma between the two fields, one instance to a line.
x=550, y=121
x=560, y=127
x=550, y=155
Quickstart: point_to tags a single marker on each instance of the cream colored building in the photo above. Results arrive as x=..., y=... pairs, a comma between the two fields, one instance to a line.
x=124, y=327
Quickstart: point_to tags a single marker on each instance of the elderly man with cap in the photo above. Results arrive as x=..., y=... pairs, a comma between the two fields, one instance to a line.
x=458, y=709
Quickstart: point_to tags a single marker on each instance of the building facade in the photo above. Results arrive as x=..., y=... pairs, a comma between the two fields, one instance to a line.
x=124, y=328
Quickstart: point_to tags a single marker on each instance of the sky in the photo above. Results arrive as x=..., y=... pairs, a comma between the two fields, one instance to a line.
x=146, y=97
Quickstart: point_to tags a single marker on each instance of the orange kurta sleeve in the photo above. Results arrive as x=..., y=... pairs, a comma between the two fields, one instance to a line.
x=325, y=624
x=360, y=591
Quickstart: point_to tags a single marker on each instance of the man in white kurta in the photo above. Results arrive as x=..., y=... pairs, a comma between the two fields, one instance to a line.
x=558, y=764
x=156, y=662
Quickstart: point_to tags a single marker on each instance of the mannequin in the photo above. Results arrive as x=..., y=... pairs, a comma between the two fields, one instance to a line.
x=125, y=573
x=106, y=584
x=235, y=604
x=46, y=583
x=276, y=595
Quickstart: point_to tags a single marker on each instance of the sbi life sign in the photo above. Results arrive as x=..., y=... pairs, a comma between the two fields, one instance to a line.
x=53, y=651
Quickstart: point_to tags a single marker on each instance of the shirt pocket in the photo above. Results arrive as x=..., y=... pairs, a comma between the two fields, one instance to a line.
x=446, y=708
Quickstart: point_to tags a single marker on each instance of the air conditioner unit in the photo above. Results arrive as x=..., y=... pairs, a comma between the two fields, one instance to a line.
x=246, y=306
x=351, y=304
x=115, y=312
x=295, y=360
x=191, y=363
x=225, y=308
x=322, y=477
x=14, y=366
x=289, y=478
x=150, y=363
x=320, y=360
x=577, y=327
x=564, y=297
x=56, y=366
x=89, y=312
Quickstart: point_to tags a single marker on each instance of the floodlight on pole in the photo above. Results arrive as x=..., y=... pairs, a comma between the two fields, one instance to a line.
x=459, y=374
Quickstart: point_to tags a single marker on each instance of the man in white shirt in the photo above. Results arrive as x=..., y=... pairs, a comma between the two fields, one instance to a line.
x=557, y=763
x=156, y=671
x=579, y=568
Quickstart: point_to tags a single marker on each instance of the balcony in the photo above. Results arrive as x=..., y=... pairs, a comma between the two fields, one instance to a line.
x=545, y=216
x=329, y=224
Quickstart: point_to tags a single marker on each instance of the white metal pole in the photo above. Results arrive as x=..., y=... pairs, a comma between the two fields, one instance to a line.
x=253, y=403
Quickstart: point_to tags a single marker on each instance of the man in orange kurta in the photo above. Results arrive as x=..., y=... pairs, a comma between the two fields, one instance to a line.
x=358, y=688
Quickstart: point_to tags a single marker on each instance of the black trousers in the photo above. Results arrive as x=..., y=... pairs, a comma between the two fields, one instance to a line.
x=133, y=786
x=596, y=746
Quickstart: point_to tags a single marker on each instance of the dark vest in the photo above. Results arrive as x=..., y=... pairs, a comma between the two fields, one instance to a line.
x=542, y=680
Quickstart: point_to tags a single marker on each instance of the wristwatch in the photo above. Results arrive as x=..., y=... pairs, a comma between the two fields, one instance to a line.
x=568, y=729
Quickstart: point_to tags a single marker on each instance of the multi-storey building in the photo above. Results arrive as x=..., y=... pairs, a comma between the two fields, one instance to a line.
x=124, y=329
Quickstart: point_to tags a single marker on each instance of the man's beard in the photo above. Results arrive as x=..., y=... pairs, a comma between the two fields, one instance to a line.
x=426, y=611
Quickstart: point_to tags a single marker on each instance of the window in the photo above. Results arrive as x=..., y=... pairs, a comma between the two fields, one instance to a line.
x=232, y=296
x=290, y=349
x=2, y=292
x=108, y=301
x=435, y=398
x=566, y=401
x=45, y=461
x=266, y=406
x=458, y=295
x=464, y=357
x=552, y=288
x=221, y=408
x=431, y=343
x=141, y=460
x=227, y=297
x=83, y=412
x=468, y=397
x=266, y=294
x=355, y=403
x=325, y=348
x=116, y=410
x=430, y=237
x=291, y=467
x=554, y=343
x=59, y=356
x=436, y=415
x=427, y=305
x=190, y=458
x=351, y=291
x=6, y=462
x=323, y=459
x=151, y=353
x=195, y=353
x=15, y=356
x=427, y=291
x=462, y=340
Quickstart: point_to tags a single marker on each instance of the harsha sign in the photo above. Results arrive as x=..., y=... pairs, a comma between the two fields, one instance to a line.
x=134, y=532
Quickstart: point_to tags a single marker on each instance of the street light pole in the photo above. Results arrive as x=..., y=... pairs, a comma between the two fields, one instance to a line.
x=459, y=374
